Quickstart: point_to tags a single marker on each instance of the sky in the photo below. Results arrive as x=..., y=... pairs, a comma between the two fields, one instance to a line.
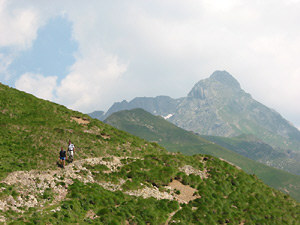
x=88, y=54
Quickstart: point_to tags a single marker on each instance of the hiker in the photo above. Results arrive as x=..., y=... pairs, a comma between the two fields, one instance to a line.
x=62, y=157
x=71, y=150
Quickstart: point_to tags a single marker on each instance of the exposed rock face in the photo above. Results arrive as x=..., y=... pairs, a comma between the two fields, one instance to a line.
x=226, y=79
x=218, y=81
x=218, y=106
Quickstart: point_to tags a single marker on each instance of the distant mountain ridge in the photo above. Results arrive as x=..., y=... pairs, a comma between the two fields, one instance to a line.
x=218, y=106
x=160, y=105
x=97, y=115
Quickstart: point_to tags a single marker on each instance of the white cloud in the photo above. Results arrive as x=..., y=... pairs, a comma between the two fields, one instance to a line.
x=5, y=61
x=38, y=85
x=90, y=80
x=18, y=26
x=18, y=29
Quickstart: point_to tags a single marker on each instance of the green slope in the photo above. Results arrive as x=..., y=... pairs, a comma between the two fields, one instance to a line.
x=175, y=139
x=257, y=150
x=32, y=131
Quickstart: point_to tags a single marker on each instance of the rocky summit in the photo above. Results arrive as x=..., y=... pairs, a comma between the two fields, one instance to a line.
x=219, y=106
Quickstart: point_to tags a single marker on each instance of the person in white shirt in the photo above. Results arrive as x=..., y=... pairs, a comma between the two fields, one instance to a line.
x=71, y=151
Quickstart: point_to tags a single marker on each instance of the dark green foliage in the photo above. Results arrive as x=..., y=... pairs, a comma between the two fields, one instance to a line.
x=47, y=194
x=232, y=196
x=7, y=190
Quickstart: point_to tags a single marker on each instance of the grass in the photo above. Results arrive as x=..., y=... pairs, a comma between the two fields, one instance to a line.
x=227, y=195
x=105, y=207
x=33, y=130
x=175, y=139
x=257, y=150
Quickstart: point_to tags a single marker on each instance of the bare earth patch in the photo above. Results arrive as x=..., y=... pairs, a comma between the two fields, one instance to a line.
x=91, y=215
x=80, y=120
x=186, y=192
x=4, y=111
x=2, y=219
x=105, y=136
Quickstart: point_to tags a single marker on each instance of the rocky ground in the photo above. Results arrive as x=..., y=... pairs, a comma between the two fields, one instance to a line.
x=32, y=186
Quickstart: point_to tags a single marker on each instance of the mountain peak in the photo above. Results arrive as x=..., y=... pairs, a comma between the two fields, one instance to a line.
x=218, y=77
x=225, y=78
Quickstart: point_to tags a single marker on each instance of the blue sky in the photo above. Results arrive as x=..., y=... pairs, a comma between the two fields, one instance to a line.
x=51, y=54
x=87, y=56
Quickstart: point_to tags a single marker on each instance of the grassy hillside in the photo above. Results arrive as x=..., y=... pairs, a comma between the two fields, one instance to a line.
x=33, y=130
x=117, y=178
x=175, y=139
x=257, y=150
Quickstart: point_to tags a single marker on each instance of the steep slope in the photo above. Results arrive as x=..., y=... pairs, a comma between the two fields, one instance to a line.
x=218, y=106
x=33, y=130
x=155, y=128
x=116, y=178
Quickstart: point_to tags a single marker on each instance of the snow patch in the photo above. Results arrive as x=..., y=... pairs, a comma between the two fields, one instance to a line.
x=168, y=116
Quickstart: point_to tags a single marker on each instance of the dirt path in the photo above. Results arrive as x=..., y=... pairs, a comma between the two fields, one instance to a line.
x=32, y=185
x=171, y=215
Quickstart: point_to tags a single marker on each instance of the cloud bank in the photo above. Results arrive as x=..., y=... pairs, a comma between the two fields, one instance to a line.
x=149, y=48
